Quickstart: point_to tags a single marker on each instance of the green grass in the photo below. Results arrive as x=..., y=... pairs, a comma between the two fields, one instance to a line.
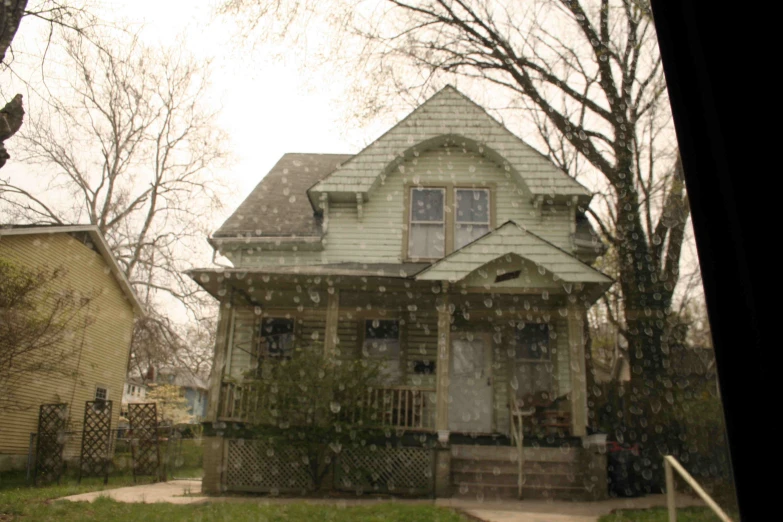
x=22, y=503
x=661, y=515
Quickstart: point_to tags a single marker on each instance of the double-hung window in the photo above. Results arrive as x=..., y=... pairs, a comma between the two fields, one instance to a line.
x=533, y=359
x=471, y=220
x=427, y=235
x=382, y=343
x=276, y=338
x=435, y=230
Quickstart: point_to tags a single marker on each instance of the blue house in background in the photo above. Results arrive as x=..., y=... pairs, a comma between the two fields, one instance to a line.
x=194, y=388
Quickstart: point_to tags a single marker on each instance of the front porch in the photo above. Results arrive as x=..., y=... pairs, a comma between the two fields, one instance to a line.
x=457, y=360
x=465, y=366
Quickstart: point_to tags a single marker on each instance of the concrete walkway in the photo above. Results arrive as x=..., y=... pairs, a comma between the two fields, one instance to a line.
x=189, y=492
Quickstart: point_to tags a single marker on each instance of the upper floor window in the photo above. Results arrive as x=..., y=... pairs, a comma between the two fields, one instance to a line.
x=472, y=218
x=435, y=231
x=427, y=237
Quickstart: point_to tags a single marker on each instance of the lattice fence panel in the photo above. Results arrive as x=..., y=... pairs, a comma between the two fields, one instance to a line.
x=145, y=445
x=255, y=465
x=52, y=420
x=388, y=470
x=96, y=440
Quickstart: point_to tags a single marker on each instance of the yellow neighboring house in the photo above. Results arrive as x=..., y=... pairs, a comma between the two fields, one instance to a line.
x=100, y=344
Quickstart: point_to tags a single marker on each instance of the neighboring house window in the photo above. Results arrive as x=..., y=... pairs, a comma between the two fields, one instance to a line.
x=434, y=231
x=533, y=359
x=472, y=218
x=426, y=237
x=101, y=394
x=382, y=342
x=276, y=338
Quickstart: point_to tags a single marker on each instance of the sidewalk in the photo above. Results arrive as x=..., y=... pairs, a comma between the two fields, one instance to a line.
x=189, y=492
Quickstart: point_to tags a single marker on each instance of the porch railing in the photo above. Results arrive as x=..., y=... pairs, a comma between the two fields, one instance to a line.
x=397, y=407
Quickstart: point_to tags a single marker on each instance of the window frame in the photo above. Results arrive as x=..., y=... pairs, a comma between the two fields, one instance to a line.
x=456, y=220
x=382, y=315
x=258, y=337
x=548, y=359
x=105, y=389
x=448, y=211
x=410, y=221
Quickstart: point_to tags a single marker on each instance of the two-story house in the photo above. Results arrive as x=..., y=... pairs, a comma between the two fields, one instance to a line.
x=95, y=346
x=461, y=251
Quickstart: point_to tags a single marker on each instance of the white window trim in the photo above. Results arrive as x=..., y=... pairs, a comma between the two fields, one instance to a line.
x=412, y=222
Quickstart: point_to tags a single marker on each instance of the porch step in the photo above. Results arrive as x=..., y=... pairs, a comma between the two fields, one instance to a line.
x=484, y=492
x=510, y=479
x=509, y=453
x=491, y=473
x=496, y=466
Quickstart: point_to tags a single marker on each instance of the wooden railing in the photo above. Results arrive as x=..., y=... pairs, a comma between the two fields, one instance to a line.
x=670, y=465
x=398, y=407
x=517, y=433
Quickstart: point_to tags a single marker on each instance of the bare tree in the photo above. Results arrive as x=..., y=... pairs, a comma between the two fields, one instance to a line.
x=41, y=324
x=591, y=74
x=53, y=14
x=127, y=144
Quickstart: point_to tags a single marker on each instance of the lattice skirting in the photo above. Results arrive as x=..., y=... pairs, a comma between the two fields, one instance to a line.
x=404, y=471
x=254, y=465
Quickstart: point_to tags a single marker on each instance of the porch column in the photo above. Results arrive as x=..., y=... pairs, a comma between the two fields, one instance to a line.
x=332, y=316
x=219, y=357
x=576, y=343
x=442, y=367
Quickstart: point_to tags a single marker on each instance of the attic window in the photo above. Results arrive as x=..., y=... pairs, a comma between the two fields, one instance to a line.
x=508, y=276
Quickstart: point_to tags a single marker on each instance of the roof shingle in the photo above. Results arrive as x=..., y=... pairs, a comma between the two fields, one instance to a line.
x=279, y=205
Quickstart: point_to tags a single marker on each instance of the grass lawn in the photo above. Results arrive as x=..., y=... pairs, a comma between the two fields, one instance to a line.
x=20, y=503
x=661, y=515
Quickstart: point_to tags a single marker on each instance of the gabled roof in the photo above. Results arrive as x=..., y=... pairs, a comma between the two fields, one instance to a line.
x=98, y=242
x=278, y=206
x=510, y=238
x=450, y=113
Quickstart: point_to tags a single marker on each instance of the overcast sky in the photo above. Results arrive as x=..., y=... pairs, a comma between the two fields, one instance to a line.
x=268, y=107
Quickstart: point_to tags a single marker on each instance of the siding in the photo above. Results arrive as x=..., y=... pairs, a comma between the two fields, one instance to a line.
x=101, y=349
x=450, y=113
x=378, y=236
x=511, y=238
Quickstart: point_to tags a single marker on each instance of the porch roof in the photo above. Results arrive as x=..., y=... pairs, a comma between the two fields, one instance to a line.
x=511, y=238
x=210, y=278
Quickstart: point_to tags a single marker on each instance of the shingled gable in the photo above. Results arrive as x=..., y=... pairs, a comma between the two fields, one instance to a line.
x=278, y=206
x=449, y=114
x=510, y=238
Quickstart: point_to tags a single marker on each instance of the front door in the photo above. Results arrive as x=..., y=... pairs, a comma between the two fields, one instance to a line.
x=470, y=384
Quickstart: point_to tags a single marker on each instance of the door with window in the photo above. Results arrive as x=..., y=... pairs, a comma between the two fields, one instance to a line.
x=470, y=384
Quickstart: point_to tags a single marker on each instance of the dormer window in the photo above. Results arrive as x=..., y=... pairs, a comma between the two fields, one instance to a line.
x=434, y=230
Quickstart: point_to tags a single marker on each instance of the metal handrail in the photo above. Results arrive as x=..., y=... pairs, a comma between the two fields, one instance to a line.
x=670, y=463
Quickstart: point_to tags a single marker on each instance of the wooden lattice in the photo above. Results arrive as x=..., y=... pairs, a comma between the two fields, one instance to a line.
x=96, y=440
x=388, y=470
x=145, y=445
x=255, y=465
x=52, y=420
